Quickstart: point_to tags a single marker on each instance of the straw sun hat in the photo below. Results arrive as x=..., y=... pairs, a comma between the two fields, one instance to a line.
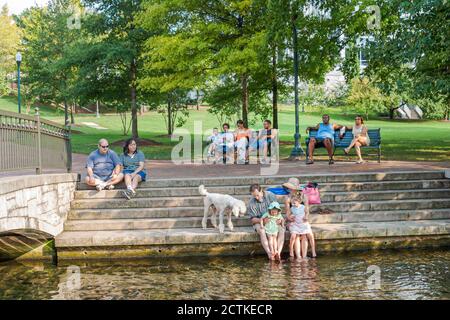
x=293, y=184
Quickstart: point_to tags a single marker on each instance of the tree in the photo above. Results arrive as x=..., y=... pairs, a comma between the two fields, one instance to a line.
x=46, y=42
x=203, y=40
x=364, y=97
x=413, y=42
x=118, y=42
x=9, y=44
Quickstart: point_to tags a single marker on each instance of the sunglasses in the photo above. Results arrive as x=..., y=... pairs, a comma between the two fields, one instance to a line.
x=105, y=147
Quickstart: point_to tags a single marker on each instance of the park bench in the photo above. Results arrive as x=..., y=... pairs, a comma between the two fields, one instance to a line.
x=374, y=135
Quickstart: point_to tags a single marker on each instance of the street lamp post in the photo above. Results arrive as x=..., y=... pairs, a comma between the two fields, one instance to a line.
x=18, y=60
x=297, y=151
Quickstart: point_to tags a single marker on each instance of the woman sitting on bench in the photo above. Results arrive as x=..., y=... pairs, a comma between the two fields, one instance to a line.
x=360, y=137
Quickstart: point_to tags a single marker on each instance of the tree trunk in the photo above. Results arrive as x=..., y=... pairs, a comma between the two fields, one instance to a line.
x=244, y=83
x=97, y=110
x=134, y=122
x=66, y=113
x=72, y=119
x=274, y=89
x=198, y=101
x=169, y=117
x=391, y=113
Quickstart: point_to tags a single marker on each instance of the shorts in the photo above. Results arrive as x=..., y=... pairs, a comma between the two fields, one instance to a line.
x=320, y=142
x=103, y=178
x=257, y=226
x=142, y=174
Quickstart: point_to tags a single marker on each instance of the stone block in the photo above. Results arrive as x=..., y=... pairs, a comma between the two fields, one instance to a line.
x=30, y=193
x=34, y=208
x=3, y=207
x=11, y=204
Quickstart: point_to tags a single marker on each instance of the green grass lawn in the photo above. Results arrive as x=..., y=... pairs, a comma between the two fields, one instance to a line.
x=401, y=140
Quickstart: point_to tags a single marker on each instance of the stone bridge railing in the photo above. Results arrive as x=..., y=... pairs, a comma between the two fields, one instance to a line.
x=39, y=202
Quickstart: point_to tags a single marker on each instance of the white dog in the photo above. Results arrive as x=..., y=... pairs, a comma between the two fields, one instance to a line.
x=220, y=203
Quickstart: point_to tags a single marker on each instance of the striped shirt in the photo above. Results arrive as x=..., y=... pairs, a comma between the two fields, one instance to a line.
x=257, y=208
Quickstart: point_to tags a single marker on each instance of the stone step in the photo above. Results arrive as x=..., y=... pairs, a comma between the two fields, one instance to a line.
x=276, y=180
x=131, y=213
x=195, y=222
x=244, y=190
x=198, y=200
x=183, y=236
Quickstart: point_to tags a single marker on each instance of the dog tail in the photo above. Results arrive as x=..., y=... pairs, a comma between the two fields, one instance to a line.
x=202, y=190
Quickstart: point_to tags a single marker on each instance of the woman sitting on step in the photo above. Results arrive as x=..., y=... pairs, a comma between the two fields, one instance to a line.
x=133, y=163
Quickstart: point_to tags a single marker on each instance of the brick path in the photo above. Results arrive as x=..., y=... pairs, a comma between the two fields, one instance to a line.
x=167, y=169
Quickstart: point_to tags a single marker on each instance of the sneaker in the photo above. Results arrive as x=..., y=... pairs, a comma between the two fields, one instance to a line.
x=310, y=161
x=110, y=187
x=133, y=192
x=127, y=194
x=100, y=187
x=331, y=161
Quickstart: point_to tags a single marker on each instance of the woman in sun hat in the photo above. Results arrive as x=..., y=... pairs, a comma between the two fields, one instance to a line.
x=295, y=190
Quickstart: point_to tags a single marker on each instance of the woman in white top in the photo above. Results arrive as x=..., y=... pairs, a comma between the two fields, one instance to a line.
x=360, y=137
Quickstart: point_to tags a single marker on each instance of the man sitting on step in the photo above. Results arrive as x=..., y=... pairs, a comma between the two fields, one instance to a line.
x=103, y=167
x=257, y=206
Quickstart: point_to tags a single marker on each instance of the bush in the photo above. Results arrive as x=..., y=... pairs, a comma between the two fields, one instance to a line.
x=434, y=110
x=364, y=98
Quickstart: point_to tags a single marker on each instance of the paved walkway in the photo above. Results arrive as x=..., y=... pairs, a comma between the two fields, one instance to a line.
x=167, y=169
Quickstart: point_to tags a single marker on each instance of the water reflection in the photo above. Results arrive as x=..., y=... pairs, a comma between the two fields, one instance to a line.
x=412, y=274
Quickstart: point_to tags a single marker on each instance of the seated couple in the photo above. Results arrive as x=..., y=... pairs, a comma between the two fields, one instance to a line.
x=267, y=220
x=325, y=138
x=106, y=169
x=242, y=141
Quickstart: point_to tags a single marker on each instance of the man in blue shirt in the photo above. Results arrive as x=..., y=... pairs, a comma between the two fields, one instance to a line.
x=103, y=167
x=324, y=138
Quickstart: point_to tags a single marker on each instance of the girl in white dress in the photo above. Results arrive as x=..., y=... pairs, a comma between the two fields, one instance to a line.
x=300, y=227
x=360, y=137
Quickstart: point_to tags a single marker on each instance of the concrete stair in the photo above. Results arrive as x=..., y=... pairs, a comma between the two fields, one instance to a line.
x=371, y=210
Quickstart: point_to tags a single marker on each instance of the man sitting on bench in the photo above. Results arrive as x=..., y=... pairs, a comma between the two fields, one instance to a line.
x=324, y=138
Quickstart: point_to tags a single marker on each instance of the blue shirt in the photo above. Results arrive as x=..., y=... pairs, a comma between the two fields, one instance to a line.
x=102, y=164
x=325, y=131
x=131, y=163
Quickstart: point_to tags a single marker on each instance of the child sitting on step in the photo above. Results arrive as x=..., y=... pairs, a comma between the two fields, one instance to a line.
x=299, y=228
x=275, y=219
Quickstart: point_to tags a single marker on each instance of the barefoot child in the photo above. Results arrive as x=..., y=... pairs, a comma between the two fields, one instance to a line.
x=275, y=219
x=300, y=228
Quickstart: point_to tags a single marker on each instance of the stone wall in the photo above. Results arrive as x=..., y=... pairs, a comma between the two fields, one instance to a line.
x=38, y=202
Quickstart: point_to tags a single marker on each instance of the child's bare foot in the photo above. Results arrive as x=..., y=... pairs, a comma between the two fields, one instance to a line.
x=291, y=253
x=278, y=256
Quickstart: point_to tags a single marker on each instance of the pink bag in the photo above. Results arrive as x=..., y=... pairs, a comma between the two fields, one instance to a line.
x=313, y=195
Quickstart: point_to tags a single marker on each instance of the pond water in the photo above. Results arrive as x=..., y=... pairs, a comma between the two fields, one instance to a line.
x=403, y=274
